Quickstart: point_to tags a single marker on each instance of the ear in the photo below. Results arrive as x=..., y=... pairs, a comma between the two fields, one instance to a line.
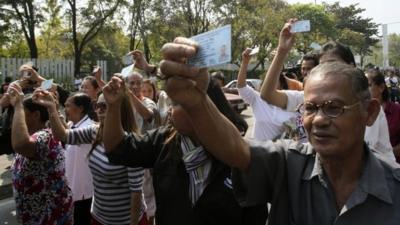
x=373, y=110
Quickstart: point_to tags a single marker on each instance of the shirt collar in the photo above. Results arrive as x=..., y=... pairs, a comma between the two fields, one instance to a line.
x=372, y=181
x=86, y=117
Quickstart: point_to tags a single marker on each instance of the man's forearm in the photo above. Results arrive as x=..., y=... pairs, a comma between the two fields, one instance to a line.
x=218, y=135
x=113, y=132
x=144, y=112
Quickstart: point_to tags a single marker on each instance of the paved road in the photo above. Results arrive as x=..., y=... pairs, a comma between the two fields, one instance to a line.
x=7, y=212
x=7, y=206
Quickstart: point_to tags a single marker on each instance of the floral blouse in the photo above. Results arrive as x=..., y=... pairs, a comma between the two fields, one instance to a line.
x=40, y=186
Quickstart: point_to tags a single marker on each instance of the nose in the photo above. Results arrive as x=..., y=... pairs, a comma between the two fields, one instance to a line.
x=320, y=119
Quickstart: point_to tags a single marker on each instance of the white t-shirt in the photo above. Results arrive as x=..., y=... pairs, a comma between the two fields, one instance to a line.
x=376, y=136
x=77, y=168
x=268, y=119
x=141, y=123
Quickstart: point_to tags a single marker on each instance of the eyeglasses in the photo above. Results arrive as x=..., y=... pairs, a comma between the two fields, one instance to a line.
x=100, y=106
x=331, y=109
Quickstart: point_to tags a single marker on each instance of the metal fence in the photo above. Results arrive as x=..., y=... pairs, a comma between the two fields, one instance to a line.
x=61, y=70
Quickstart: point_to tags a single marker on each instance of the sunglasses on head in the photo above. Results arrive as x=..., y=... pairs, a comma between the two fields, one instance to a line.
x=100, y=105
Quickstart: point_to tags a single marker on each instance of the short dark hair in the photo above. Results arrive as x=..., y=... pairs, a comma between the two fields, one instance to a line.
x=378, y=79
x=311, y=57
x=339, y=49
x=83, y=100
x=33, y=107
x=218, y=75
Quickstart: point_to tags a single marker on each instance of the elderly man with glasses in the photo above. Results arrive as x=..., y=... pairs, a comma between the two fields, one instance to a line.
x=333, y=179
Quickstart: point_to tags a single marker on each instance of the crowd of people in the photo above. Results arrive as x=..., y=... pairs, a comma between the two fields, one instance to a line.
x=325, y=147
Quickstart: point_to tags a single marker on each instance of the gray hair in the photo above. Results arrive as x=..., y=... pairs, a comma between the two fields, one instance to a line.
x=357, y=78
x=134, y=73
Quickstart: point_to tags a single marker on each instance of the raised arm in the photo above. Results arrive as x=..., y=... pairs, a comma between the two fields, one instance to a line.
x=113, y=133
x=144, y=112
x=187, y=86
x=269, y=89
x=47, y=99
x=20, y=138
x=97, y=76
x=241, y=80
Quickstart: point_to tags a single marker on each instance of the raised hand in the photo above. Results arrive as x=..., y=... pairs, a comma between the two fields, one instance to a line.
x=15, y=94
x=45, y=98
x=114, y=91
x=97, y=72
x=185, y=85
x=32, y=77
x=246, y=55
x=140, y=60
x=287, y=38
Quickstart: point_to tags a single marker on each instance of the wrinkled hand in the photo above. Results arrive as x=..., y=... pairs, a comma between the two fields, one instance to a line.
x=287, y=38
x=246, y=55
x=140, y=60
x=15, y=94
x=185, y=85
x=114, y=91
x=45, y=98
x=34, y=79
x=97, y=72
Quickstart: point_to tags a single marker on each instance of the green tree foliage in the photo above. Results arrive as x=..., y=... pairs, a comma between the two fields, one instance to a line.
x=321, y=25
x=394, y=50
x=110, y=45
x=26, y=15
x=107, y=29
x=87, y=22
x=353, y=30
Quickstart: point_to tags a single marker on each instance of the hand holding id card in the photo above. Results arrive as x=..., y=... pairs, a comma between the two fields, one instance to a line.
x=301, y=26
x=47, y=84
x=214, y=48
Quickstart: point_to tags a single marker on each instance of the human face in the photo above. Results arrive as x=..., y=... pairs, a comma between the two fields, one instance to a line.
x=147, y=91
x=101, y=107
x=72, y=111
x=180, y=120
x=375, y=90
x=306, y=67
x=334, y=137
x=89, y=89
x=135, y=84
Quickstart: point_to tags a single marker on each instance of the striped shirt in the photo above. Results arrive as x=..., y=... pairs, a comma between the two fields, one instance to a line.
x=113, y=184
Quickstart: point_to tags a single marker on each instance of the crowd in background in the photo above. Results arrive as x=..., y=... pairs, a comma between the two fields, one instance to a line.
x=125, y=151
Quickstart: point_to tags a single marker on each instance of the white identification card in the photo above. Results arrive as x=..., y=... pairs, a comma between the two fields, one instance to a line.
x=254, y=51
x=301, y=26
x=215, y=48
x=47, y=84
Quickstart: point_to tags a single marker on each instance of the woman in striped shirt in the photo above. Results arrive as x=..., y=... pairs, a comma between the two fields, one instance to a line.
x=190, y=185
x=117, y=189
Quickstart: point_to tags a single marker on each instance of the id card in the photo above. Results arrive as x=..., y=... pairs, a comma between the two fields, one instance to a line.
x=214, y=48
x=254, y=51
x=301, y=26
x=47, y=84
